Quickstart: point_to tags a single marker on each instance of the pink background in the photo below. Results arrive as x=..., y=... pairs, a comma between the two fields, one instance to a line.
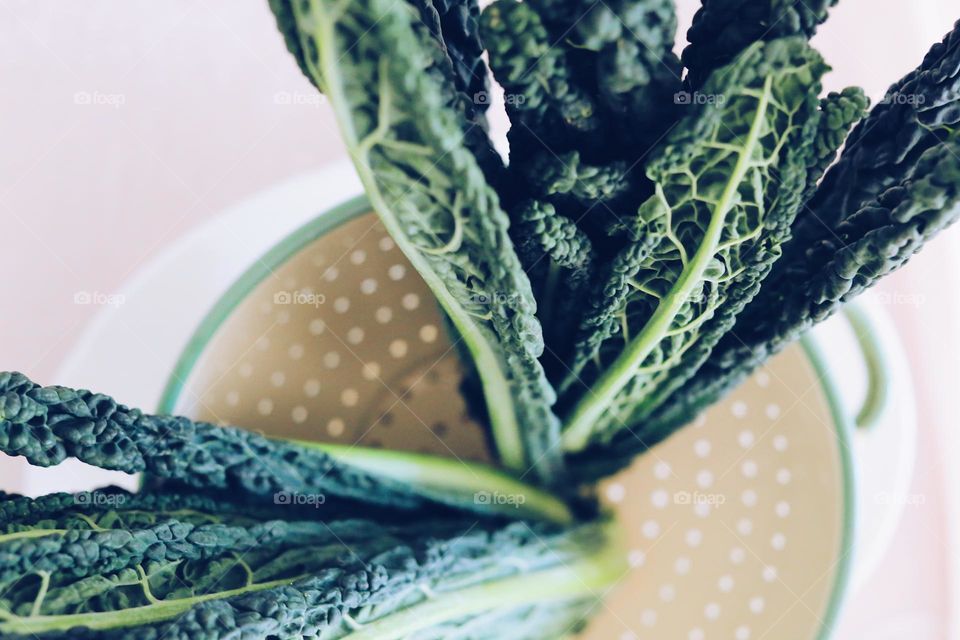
x=196, y=105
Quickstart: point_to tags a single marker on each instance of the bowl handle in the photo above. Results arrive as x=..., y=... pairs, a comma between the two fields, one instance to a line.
x=876, y=402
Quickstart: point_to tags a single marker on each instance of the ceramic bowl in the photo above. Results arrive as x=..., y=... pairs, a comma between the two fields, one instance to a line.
x=740, y=526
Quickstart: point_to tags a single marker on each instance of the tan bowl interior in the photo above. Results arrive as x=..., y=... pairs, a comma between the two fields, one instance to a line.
x=736, y=526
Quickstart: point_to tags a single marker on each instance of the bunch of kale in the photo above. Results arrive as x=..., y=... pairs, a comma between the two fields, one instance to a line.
x=662, y=226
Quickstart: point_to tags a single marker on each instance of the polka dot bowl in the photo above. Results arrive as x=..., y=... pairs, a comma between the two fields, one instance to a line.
x=739, y=526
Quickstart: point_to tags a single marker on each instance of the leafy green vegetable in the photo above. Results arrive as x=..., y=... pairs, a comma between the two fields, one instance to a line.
x=728, y=182
x=838, y=112
x=406, y=141
x=455, y=25
x=874, y=242
x=917, y=113
x=892, y=189
x=79, y=543
x=721, y=29
x=622, y=51
x=567, y=175
x=544, y=102
x=558, y=258
x=454, y=28
x=47, y=425
x=102, y=573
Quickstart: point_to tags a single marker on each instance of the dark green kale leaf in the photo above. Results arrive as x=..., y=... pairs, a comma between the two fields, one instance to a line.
x=543, y=101
x=728, y=183
x=838, y=113
x=559, y=176
x=868, y=245
x=455, y=25
x=47, y=425
x=886, y=152
x=622, y=54
x=917, y=113
x=558, y=258
x=334, y=579
x=406, y=142
x=79, y=545
x=721, y=29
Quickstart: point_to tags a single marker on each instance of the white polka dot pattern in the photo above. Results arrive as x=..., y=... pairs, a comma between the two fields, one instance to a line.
x=727, y=538
x=728, y=522
x=345, y=348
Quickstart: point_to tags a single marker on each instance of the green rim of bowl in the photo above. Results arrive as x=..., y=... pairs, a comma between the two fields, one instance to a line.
x=359, y=205
x=239, y=290
x=843, y=424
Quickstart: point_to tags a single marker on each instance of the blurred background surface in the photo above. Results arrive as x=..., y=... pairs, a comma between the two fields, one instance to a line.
x=128, y=124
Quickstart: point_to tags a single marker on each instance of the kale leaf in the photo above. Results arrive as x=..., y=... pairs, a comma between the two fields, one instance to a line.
x=622, y=54
x=721, y=29
x=917, y=113
x=407, y=144
x=839, y=111
x=901, y=150
x=870, y=244
x=47, y=425
x=728, y=183
x=123, y=574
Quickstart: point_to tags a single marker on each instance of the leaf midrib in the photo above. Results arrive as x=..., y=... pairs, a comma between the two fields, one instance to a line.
x=496, y=388
x=580, y=426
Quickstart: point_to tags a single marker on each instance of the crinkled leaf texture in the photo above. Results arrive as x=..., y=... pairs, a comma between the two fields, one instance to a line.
x=408, y=146
x=47, y=425
x=721, y=29
x=113, y=565
x=870, y=244
x=848, y=237
x=727, y=185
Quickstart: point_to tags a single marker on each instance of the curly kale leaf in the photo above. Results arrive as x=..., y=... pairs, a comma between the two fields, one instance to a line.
x=721, y=29
x=451, y=28
x=407, y=145
x=728, y=183
x=455, y=26
x=79, y=544
x=558, y=258
x=905, y=137
x=839, y=111
x=146, y=506
x=875, y=241
x=351, y=579
x=917, y=113
x=47, y=425
x=543, y=101
x=567, y=175
x=622, y=54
